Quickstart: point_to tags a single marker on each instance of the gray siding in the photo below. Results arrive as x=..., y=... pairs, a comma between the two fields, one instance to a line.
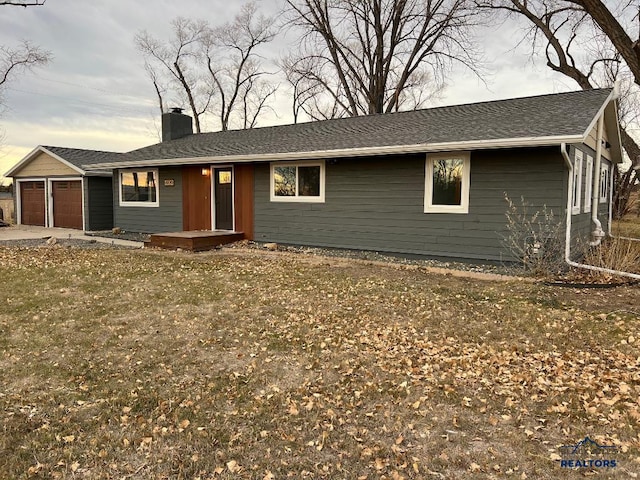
x=167, y=217
x=581, y=225
x=378, y=204
x=98, y=204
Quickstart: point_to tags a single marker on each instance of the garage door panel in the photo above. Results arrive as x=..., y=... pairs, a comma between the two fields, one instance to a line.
x=67, y=204
x=32, y=203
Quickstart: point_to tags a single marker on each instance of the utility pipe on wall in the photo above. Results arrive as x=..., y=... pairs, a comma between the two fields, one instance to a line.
x=598, y=234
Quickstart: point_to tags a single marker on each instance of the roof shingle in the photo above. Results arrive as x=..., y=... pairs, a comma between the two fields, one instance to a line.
x=80, y=157
x=555, y=115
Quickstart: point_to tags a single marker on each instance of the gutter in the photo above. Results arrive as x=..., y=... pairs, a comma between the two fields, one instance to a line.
x=567, y=243
x=549, y=141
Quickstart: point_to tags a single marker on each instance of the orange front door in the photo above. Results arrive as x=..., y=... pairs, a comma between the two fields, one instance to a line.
x=196, y=198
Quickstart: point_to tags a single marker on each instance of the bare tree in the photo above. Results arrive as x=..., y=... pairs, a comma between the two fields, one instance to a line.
x=306, y=91
x=153, y=75
x=24, y=57
x=178, y=58
x=374, y=56
x=609, y=23
x=232, y=56
x=575, y=45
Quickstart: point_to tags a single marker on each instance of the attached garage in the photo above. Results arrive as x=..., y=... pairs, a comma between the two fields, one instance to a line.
x=55, y=187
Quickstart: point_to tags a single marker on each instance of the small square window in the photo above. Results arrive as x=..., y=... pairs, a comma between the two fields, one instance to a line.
x=138, y=188
x=224, y=177
x=297, y=182
x=447, y=183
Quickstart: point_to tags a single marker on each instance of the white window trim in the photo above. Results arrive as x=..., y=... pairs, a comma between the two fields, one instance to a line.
x=604, y=192
x=429, y=207
x=297, y=198
x=577, y=182
x=123, y=203
x=588, y=184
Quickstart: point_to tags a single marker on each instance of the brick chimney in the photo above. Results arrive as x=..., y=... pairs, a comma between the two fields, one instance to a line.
x=176, y=124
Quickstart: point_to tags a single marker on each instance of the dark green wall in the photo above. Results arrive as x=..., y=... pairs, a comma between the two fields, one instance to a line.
x=98, y=203
x=378, y=204
x=167, y=217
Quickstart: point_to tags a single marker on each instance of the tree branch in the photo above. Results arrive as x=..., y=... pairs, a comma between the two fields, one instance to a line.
x=22, y=4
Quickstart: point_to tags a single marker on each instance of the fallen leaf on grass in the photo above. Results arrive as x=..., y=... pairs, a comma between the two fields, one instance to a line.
x=233, y=466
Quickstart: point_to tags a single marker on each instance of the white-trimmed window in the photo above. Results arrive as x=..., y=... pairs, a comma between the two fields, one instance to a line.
x=588, y=184
x=577, y=182
x=138, y=188
x=605, y=173
x=297, y=182
x=447, y=179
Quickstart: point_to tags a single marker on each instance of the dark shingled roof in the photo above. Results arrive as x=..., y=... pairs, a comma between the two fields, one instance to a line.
x=81, y=158
x=564, y=114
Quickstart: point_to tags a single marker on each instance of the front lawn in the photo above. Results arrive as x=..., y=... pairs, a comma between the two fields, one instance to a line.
x=232, y=364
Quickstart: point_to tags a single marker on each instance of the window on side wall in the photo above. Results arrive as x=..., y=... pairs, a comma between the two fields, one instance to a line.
x=588, y=184
x=138, y=188
x=577, y=182
x=447, y=182
x=297, y=182
x=605, y=173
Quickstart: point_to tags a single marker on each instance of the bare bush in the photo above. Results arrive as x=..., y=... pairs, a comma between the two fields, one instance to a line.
x=535, y=239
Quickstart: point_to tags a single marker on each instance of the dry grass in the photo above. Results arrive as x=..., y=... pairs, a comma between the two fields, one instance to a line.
x=137, y=364
x=616, y=254
x=629, y=226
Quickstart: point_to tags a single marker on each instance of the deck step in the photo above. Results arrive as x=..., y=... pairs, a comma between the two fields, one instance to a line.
x=193, y=241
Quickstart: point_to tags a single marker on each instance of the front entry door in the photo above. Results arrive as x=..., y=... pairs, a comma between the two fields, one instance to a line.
x=223, y=178
x=196, y=198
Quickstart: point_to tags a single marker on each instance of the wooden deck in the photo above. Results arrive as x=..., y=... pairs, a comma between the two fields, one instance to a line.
x=194, y=241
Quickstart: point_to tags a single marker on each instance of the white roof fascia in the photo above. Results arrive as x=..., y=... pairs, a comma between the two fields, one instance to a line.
x=613, y=130
x=592, y=125
x=32, y=154
x=352, y=152
x=24, y=160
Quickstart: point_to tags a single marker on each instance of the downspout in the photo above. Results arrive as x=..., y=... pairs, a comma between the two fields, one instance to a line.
x=567, y=243
x=598, y=234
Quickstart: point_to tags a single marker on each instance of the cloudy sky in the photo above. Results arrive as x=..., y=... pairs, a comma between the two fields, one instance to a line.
x=95, y=93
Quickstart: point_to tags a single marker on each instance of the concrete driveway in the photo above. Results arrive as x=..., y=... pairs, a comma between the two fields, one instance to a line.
x=28, y=232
